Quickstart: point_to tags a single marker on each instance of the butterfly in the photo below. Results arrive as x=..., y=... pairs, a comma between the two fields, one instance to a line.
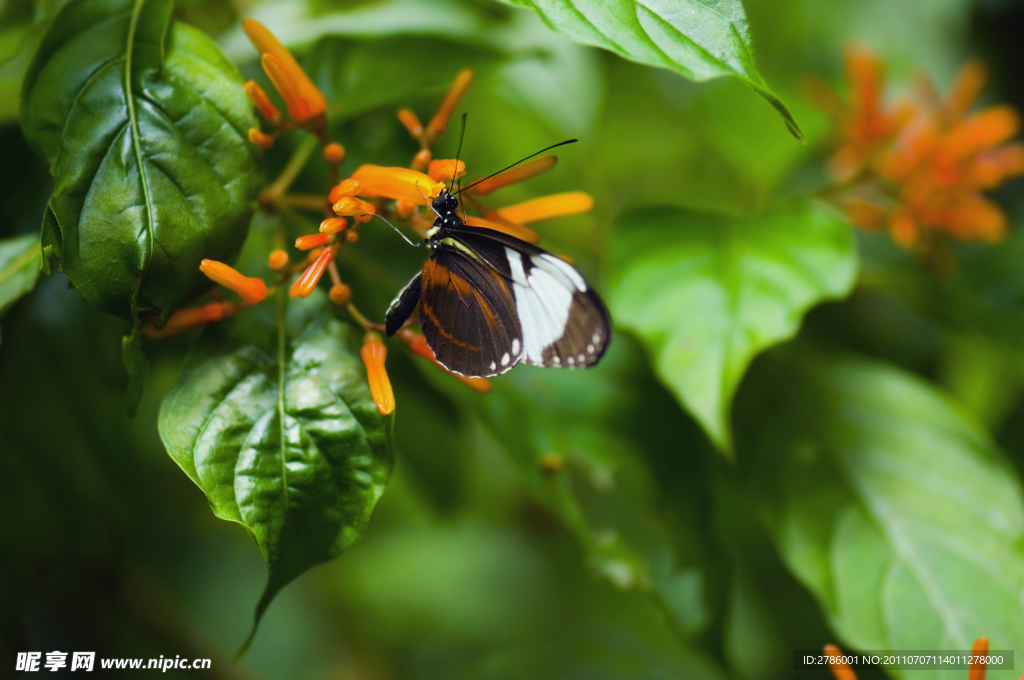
x=489, y=300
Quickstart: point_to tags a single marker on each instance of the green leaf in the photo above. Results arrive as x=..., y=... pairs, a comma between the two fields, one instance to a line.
x=19, y=268
x=893, y=507
x=144, y=125
x=358, y=76
x=277, y=426
x=707, y=293
x=700, y=39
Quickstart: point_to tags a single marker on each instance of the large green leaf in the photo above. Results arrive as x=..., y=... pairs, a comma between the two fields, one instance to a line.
x=274, y=421
x=890, y=504
x=19, y=268
x=700, y=39
x=707, y=293
x=144, y=125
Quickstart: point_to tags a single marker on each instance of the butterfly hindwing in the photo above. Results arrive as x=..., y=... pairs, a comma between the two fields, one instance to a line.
x=564, y=322
x=468, y=315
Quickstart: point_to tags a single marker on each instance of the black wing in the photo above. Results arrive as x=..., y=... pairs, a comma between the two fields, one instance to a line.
x=402, y=307
x=468, y=315
x=564, y=321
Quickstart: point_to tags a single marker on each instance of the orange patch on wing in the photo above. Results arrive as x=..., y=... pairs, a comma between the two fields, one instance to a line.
x=435, y=275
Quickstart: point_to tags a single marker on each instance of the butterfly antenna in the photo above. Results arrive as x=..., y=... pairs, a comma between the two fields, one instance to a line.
x=428, y=203
x=568, y=141
x=413, y=244
x=462, y=135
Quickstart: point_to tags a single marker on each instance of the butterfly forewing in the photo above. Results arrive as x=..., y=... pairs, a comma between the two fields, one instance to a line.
x=468, y=315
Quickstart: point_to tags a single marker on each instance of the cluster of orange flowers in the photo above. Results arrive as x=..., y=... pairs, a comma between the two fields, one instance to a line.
x=842, y=671
x=918, y=167
x=401, y=195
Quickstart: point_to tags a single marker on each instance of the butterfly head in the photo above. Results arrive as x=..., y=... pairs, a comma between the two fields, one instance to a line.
x=447, y=208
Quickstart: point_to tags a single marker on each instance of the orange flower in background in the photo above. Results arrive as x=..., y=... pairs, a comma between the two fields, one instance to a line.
x=918, y=169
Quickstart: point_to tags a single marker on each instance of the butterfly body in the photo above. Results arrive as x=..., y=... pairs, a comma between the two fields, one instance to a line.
x=489, y=301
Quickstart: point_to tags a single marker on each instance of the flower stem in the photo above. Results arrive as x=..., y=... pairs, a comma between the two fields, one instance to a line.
x=271, y=196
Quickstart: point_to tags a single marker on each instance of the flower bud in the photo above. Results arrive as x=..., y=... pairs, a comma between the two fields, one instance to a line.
x=313, y=101
x=840, y=669
x=311, y=241
x=439, y=123
x=411, y=122
x=341, y=294
x=260, y=139
x=345, y=189
x=307, y=281
x=333, y=225
x=252, y=290
x=334, y=153
x=519, y=173
x=279, y=261
x=353, y=207
x=374, y=352
x=186, y=319
x=262, y=103
x=298, y=108
x=446, y=170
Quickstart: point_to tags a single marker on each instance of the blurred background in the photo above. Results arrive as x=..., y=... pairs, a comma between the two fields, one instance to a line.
x=574, y=525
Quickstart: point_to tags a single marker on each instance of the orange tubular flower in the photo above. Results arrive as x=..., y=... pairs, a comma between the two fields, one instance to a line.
x=344, y=189
x=298, y=108
x=439, y=123
x=373, y=353
x=252, y=290
x=311, y=241
x=279, y=261
x=260, y=139
x=446, y=170
x=417, y=344
x=840, y=670
x=305, y=284
x=186, y=319
x=411, y=122
x=262, y=103
x=547, y=207
x=506, y=227
x=517, y=174
x=313, y=102
x=333, y=225
x=353, y=207
x=980, y=648
x=401, y=184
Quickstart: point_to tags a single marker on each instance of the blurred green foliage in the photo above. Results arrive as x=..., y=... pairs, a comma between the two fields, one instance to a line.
x=569, y=524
